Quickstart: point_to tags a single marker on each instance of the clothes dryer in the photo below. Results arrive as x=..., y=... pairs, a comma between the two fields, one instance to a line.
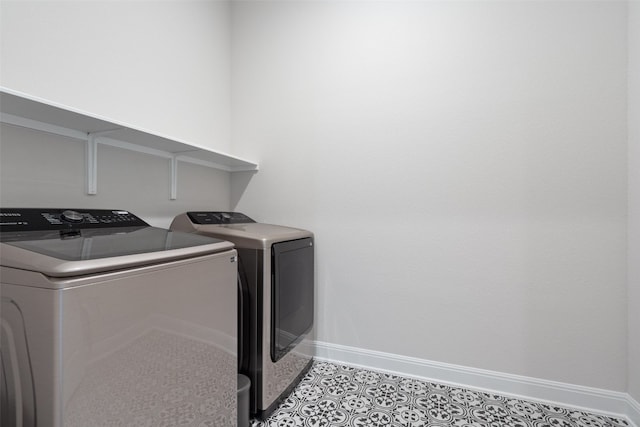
x=108, y=321
x=276, y=288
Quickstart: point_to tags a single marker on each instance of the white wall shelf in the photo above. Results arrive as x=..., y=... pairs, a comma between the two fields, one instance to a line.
x=24, y=110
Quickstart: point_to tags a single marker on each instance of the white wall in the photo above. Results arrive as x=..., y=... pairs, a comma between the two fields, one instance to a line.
x=463, y=164
x=464, y=168
x=43, y=170
x=634, y=200
x=162, y=66
x=156, y=65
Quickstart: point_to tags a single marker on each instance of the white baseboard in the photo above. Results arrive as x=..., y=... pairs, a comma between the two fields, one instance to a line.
x=591, y=399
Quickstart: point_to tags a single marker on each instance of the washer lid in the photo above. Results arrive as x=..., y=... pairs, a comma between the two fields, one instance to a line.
x=76, y=252
x=81, y=245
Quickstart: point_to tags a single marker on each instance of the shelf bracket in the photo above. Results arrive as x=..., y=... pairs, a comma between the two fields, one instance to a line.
x=174, y=178
x=92, y=160
x=92, y=165
x=24, y=110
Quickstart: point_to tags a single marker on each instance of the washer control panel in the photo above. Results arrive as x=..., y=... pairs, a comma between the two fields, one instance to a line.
x=35, y=219
x=218, y=218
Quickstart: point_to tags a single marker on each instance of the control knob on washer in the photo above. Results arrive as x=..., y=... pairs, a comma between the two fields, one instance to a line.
x=72, y=216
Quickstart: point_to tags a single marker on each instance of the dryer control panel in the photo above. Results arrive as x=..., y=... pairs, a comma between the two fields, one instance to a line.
x=218, y=218
x=35, y=219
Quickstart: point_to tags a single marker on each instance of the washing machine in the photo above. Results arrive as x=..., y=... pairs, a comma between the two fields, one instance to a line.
x=276, y=282
x=106, y=320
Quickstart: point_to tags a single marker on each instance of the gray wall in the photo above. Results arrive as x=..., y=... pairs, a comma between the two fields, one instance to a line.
x=463, y=165
x=162, y=66
x=43, y=170
x=157, y=65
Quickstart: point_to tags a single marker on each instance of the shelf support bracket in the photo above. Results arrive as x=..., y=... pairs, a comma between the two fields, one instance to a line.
x=92, y=159
x=92, y=164
x=174, y=178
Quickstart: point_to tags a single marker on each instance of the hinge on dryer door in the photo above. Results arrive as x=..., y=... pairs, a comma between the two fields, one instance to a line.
x=234, y=258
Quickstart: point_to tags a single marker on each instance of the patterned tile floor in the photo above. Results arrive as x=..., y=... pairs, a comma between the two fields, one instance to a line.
x=336, y=395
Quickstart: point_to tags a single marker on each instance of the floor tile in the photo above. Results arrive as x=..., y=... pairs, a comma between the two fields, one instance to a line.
x=337, y=395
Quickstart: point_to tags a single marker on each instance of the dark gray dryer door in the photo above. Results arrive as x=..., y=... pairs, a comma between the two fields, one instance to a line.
x=292, y=289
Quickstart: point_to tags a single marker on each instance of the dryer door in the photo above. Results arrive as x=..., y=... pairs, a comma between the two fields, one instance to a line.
x=292, y=289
